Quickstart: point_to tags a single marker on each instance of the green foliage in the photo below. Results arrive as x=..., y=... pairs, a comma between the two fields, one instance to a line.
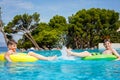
x=58, y=22
x=8, y=28
x=22, y=23
x=86, y=28
x=46, y=35
x=24, y=44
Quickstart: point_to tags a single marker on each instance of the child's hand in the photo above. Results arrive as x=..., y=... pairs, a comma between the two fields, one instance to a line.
x=117, y=59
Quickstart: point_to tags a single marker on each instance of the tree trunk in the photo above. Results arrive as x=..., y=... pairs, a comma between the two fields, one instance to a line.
x=29, y=36
x=1, y=30
x=5, y=37
x=32, y=40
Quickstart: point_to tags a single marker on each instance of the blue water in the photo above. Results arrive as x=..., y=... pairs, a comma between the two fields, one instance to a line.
x=3, y=49
x=61, y=69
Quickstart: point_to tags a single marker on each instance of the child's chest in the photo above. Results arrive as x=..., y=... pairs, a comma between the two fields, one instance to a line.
x=107, y=52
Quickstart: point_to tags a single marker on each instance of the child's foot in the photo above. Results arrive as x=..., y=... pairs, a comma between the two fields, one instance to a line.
x=52, y=58
x=69, y=53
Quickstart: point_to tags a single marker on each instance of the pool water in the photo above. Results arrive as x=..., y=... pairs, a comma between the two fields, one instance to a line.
x=60, y=69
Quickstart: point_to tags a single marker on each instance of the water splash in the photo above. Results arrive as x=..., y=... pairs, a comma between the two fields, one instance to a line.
x=64, y=54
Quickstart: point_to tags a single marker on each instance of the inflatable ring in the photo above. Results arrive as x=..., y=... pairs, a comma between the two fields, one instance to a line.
x=19, y=57
x=100, y=57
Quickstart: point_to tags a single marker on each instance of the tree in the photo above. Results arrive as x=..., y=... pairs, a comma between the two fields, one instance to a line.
x=1, y=28
x=24, y=23
x=46, y=36
x=89, y=26
x=59, y=24
x=49, y=35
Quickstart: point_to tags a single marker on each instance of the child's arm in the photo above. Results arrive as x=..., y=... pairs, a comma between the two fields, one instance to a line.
x=7, y=56
x=116, y=54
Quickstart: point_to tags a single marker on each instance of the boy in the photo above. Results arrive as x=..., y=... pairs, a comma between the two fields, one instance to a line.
x=12, y=46
x=108, y=50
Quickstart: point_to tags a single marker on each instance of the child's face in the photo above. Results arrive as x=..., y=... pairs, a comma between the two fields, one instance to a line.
x=107, y=45
x=12, y=47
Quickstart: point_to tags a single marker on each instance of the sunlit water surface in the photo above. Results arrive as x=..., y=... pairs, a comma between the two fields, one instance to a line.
x=61, y=69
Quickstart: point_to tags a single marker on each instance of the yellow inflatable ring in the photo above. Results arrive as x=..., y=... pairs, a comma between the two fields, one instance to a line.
x=19, y=57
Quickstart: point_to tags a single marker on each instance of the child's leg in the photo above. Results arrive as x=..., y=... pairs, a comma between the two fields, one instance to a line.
x=81, y=54
x=38, y=56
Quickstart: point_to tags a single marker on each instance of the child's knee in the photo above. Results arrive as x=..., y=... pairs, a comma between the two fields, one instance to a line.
x=30, y=53
x=87, y=53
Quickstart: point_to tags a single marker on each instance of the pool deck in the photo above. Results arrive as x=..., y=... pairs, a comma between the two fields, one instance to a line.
x=114, y=45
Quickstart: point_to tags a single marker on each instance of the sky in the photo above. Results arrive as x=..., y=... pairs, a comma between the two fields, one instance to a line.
x=49, y=8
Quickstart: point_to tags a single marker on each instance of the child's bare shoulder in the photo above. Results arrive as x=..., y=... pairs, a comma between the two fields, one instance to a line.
x=9, y=52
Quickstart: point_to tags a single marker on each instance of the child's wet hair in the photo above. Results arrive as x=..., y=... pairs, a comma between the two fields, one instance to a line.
x=11, y=42
x=107, y=40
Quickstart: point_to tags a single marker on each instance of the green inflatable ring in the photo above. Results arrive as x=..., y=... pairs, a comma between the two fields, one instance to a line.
x=100, y=57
